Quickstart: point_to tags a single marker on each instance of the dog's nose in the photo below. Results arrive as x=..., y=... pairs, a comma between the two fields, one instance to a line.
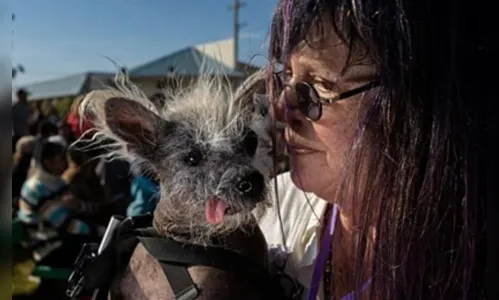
x=251, y=185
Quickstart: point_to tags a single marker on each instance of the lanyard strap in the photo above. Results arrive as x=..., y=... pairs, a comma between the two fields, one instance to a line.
x=322, y=257
x=323, y=253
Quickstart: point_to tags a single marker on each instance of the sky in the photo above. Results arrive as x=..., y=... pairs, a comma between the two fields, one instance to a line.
x=55, y=38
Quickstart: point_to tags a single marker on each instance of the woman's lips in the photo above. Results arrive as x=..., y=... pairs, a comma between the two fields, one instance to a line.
x=299, y=149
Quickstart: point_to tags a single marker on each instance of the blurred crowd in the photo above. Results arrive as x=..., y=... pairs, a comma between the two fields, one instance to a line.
x=62, y=183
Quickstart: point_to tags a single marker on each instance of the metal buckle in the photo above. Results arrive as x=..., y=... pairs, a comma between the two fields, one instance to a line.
x=87, y=255
x=188, y=294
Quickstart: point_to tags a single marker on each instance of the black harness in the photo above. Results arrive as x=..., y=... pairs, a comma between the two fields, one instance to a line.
x=94, y=273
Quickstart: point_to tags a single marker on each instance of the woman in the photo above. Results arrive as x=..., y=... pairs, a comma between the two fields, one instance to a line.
x=384, y=102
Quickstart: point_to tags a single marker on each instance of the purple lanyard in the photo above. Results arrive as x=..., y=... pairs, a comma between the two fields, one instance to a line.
x=322, y=257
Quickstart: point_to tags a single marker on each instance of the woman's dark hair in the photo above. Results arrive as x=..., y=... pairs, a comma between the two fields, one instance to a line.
x=424, y=134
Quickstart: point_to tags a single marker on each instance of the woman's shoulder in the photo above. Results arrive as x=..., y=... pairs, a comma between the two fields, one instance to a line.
x=290, y=227
x=299, y=211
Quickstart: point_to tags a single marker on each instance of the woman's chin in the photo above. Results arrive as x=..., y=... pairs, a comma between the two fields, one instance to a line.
x=310, y=176
x=303, y=180
x=298, y=181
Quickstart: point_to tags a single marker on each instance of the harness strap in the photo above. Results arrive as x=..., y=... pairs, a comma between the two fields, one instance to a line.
x=176, y=272
x=180, y=281
x=174, y=257
x=169, y=251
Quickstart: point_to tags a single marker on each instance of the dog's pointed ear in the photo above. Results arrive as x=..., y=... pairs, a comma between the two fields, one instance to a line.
x=134, y=124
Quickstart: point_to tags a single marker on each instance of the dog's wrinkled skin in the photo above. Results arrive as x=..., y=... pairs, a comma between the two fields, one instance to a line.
x=205, y=143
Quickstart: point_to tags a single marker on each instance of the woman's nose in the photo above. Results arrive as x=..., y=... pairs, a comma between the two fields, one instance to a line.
x=284, y=103
x=286, y=107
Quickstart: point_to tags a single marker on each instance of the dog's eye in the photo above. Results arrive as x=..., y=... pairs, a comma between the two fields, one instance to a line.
x=193, y=158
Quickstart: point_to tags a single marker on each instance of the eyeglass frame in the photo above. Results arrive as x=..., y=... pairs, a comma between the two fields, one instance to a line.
x=324, y=101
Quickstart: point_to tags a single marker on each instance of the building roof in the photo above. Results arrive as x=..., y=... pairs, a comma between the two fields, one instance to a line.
x=68, y=86
x=212, y=58
x=189, y=61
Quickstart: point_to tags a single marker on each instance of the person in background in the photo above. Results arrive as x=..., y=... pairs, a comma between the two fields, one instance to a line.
x=20, y=117
x=36, y=118
x=145, y=194
x=95, y=201
x=65, y=132
x=115, y=175
x=46, y=130
x=53, y=115
x=46, y=199
x=22, y=160
x=45, y=196
x=58, y=139
x=77, y=126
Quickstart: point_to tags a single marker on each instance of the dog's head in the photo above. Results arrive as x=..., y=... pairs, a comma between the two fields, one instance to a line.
x=208, y=147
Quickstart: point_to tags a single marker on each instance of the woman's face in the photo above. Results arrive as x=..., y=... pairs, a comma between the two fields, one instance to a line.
x=317, y=148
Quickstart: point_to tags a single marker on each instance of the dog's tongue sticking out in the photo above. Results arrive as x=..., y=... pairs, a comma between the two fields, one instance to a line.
x=215, y=210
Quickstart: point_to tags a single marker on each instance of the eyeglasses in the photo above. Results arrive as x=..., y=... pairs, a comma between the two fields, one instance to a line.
x=308, y=100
